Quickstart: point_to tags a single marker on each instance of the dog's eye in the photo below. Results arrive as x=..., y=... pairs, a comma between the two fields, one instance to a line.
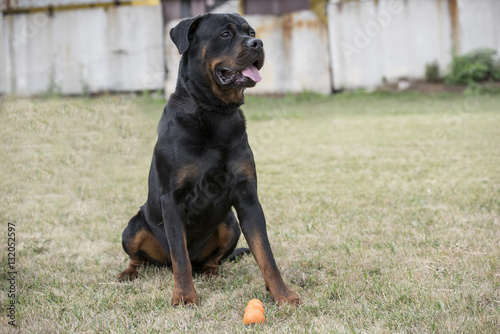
x=225, y=34
x=252, y=34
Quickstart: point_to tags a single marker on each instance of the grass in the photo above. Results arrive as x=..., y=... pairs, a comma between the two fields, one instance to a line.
x=383, y=212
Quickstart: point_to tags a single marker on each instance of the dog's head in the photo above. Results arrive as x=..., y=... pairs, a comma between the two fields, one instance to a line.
x=220, y=51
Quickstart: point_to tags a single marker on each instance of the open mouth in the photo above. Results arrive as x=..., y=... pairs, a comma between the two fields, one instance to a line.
x=248, y=76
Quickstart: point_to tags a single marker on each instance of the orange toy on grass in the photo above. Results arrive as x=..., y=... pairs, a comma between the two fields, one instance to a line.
x=254, y=313
x=258, y=307
x=254, y=301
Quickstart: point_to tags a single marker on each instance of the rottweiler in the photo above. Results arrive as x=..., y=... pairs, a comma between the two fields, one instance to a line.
x=202, y=165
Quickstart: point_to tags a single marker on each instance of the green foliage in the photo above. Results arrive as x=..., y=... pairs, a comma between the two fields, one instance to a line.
x=474, y=67
x=432, y=72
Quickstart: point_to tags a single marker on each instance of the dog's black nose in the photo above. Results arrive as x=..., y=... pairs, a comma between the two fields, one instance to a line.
x=255, y=44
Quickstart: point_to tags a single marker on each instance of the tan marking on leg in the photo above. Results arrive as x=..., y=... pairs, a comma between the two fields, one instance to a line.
x=184, y=290
x=280, y=293
x=151, y=246
x=146, y=242
x=246, y=168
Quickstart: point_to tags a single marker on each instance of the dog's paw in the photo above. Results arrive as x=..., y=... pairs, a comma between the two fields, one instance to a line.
x=189, y=299
x=287, y=297
x=128, y=275
x=211, y=272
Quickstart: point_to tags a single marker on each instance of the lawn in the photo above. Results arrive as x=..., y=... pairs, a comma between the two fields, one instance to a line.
x=383, y=213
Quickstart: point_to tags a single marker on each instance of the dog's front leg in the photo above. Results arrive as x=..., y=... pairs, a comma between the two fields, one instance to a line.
x=253, y=226
x=184, y=291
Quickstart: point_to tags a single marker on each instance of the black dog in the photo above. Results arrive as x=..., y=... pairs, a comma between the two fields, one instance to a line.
x=202, y=164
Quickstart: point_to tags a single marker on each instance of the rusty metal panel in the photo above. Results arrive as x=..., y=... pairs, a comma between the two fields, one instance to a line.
x=296, y=47
x=455, y=28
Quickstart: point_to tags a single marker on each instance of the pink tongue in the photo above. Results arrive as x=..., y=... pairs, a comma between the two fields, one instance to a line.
x=252, y=72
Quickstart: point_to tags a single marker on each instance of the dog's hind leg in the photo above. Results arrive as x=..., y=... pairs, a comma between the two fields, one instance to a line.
x=141, y=245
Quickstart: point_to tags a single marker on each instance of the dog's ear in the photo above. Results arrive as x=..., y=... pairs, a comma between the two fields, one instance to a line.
x=182, y=33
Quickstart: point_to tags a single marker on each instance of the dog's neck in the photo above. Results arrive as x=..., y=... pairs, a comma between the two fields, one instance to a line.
x=226, y=128
x=215, y=113
x=225, y=101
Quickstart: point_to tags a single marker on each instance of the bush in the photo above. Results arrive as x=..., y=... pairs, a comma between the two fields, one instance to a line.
x=432, y=72
x=474, y=67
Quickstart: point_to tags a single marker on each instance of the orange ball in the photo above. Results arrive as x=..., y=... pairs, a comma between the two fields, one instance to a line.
x=253, y=316
x=255, y=306
x=255, y=301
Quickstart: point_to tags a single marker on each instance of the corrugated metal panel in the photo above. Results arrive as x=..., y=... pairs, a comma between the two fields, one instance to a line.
x=84, y=51
x=386, y=40
x=3, y=58
x=373, y=41
x=478, y=25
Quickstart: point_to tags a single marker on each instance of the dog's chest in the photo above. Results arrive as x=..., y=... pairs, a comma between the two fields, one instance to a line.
x=208, y=199
x=212, y=147
x=206, y=149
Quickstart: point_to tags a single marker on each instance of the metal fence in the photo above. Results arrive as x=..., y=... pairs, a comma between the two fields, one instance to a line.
x=91, y=46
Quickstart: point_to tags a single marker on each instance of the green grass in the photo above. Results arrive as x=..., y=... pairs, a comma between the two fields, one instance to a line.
x=383, y=213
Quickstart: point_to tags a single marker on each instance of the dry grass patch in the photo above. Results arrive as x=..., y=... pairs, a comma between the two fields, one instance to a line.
x=383, y=213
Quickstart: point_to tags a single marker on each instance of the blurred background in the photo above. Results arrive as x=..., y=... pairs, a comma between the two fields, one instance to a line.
x=75, y=47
